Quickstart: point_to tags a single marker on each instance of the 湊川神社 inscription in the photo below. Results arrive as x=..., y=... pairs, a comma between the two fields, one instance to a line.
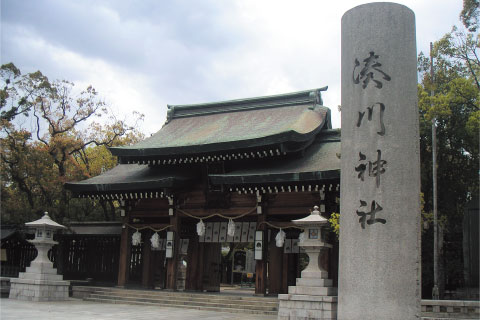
x=381, y=110
x=380, y=181
x=371, y=64
x=375, y=168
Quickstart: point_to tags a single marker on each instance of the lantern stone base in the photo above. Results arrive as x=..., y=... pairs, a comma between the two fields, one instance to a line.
x=40, y=282
x=312, y=298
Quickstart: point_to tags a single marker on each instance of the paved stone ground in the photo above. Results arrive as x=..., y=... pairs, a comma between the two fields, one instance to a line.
x=76, y=309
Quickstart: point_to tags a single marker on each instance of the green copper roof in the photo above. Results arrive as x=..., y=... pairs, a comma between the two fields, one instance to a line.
x=232, y=125
x=131, y=177
x=321, y=161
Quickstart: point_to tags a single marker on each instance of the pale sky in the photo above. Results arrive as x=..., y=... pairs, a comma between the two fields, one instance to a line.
x=143, y=55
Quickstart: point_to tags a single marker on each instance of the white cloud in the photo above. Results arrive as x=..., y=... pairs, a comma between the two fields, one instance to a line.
x=123, y=90
x=143, y=56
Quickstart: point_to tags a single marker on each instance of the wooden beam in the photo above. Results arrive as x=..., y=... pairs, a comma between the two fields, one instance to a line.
x=283, y=224
x=231, y=212
x=155, y=226
x=151, y=213
x=301, y=211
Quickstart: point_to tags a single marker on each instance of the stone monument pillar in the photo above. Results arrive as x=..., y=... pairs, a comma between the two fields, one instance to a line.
x=379, y=264
x=40, y=281
x=313, y=297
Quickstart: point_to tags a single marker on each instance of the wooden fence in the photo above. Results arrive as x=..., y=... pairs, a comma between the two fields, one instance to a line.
x=77, y=257
x=18, y=254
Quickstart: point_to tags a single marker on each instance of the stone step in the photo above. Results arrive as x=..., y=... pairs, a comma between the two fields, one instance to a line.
x=223, y=304
x=304, y=297
x=199, y=299
x=187, y=294
x=177, y=294
x=194, y=300
x=172, y=305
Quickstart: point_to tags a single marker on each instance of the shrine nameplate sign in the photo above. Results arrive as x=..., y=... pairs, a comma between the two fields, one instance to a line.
x=380, y=165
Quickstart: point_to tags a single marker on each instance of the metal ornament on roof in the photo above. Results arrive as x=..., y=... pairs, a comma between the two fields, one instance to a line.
x=155, y=240
x=280, y=238
x=231, y=228
x=201, y=228
x=136, y=238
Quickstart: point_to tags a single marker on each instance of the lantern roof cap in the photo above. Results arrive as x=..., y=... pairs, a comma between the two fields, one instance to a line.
x=45, y=221
x=314, y=219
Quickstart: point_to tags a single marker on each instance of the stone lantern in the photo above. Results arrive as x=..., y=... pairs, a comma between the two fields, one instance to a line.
x=313, y=297
x=43, y=241
x=314, y=243
x=40, y=281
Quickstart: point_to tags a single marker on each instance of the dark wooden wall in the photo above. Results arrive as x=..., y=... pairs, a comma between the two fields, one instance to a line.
x=202, y=258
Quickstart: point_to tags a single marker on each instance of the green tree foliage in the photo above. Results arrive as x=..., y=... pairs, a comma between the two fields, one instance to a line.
x=455, y=108
x=51, y=134
x=334, y=222
x=470, y=15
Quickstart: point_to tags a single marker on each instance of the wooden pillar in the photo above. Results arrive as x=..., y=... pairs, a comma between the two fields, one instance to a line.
x=200, y=262
x=124, y=255
x=59, y=259
x=332, y=206
x=284, y=288
x=172, y=262
x=147, y=276
x=261, y=265
x=292, y=269
x=90, y=254
x=275, y=267
x=211, y=267
x=194, y=265
x=333, y=264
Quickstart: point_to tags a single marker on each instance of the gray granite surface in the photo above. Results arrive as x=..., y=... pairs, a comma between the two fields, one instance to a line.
x=380, y=170
x=76, y=309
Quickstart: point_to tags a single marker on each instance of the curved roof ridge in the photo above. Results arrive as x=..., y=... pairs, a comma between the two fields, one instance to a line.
x=294, y=98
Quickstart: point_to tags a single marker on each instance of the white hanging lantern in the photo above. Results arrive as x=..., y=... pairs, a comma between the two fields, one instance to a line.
x=280, y=238
x=301, y=237
x=155, y=240
x=136, y=238
x=201, y=228
x=231, y=228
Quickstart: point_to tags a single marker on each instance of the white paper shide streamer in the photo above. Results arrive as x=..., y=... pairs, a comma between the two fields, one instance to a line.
x=280, y=238
x=155, y=240
x=231, y=228
x=201, y=228
x=136, y=238
x=302, y=237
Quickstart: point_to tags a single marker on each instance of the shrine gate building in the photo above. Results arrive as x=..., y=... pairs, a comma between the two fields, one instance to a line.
x=252, y=164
